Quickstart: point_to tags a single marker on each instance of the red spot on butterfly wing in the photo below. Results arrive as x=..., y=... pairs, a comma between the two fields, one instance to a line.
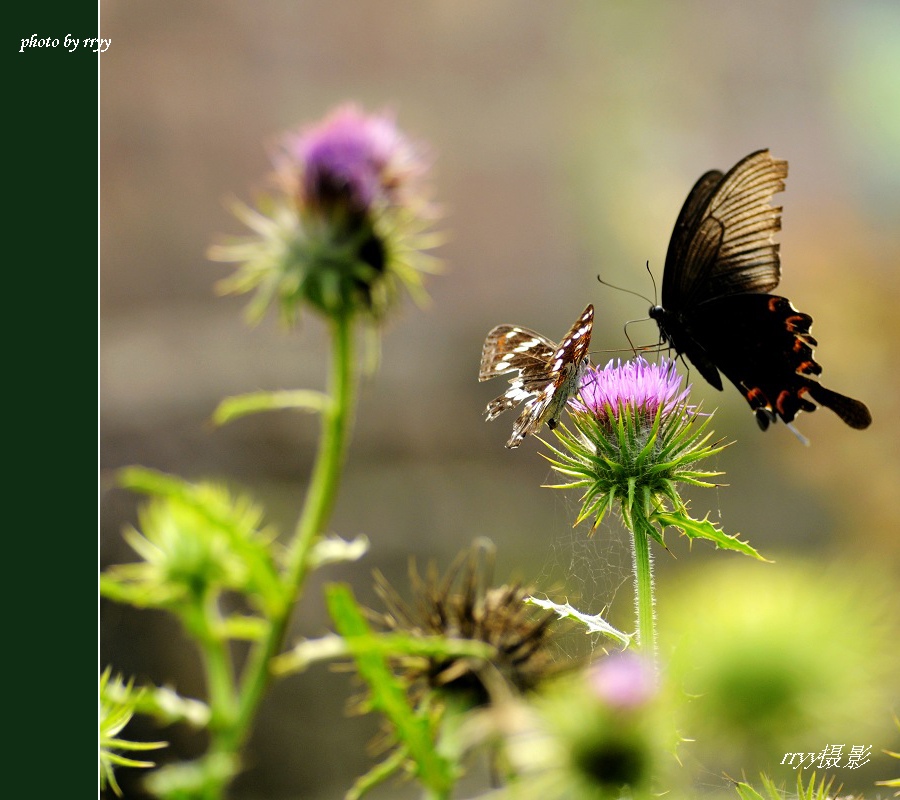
x=756, y=397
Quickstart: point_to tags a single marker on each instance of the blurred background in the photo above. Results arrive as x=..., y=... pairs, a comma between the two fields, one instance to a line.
x=565, y=138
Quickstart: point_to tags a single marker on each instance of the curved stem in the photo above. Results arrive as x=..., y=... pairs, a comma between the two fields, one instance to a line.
x=322, y=491
x=317, y=507
x=643, y=589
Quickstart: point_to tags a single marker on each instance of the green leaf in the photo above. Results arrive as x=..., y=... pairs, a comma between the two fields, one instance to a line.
x=645, y=527
x=893, y=782
x=436, y=647
x=124, y=744
x=378, y=774
x=593, y=622
x=810, y=791
x=328, y=648
x=117, y=584
x=244, y=627
x=747, y=792
x=118, y=701
x=388, y=694
x=703, y=529
x=242, y=405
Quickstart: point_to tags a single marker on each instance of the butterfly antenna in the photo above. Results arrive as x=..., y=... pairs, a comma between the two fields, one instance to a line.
x=650, y=348
x=636, y=349
x=642, y=348
x=653, y=281
x=622, y=289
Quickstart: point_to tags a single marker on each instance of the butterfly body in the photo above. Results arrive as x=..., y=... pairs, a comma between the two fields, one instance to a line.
x=548, y=374
x=717, y=309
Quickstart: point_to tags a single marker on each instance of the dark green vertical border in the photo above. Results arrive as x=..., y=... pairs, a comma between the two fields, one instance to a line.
x=49, y=316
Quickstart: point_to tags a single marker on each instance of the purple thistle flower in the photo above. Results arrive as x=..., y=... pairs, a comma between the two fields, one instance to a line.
x=347, y=226
x=635, y=437
x=637, y=384
x=624, y=681
x=609, y=728
x=351, y=161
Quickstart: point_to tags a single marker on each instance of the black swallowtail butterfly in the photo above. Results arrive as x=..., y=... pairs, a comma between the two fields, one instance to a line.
x=721, y=264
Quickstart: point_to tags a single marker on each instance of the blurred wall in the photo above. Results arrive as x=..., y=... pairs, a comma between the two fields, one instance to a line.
x=565, y=139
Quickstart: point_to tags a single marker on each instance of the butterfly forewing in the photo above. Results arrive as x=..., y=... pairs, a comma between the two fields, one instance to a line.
x=547, y=376
x=684, y=238
x=724, y=240
x=510, y=347
x=721, y=263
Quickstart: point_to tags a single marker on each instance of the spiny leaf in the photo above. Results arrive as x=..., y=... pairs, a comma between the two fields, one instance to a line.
x=593, y=622
x=747, y=792
x=703, y=529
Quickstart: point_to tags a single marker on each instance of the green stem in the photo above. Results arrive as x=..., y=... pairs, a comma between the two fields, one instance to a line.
x=643, y=589
x=317, y=507
x=217, y=664
x=322, y=491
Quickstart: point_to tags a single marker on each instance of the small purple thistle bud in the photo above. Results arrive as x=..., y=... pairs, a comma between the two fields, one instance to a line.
x=622, y=682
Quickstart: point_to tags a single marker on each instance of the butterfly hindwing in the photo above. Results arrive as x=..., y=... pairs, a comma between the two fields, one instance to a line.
x=721, y=264
x=755, y=326
x=548, y=374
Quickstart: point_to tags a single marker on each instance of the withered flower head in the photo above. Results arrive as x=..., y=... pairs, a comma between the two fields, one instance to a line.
x=463, y=604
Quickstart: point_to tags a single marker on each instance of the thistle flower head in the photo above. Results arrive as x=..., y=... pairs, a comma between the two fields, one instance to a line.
x=610, y=727
x=637, y=385
x=462, y=604
x=350, y=163
x=345, y=228
x=622, y=682
x=194, y=541
x=635, y=440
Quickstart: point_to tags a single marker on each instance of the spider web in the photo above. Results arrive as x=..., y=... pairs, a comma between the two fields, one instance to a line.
x=591, y=572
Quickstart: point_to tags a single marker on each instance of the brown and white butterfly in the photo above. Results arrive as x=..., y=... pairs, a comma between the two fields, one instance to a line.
x=548, y=374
